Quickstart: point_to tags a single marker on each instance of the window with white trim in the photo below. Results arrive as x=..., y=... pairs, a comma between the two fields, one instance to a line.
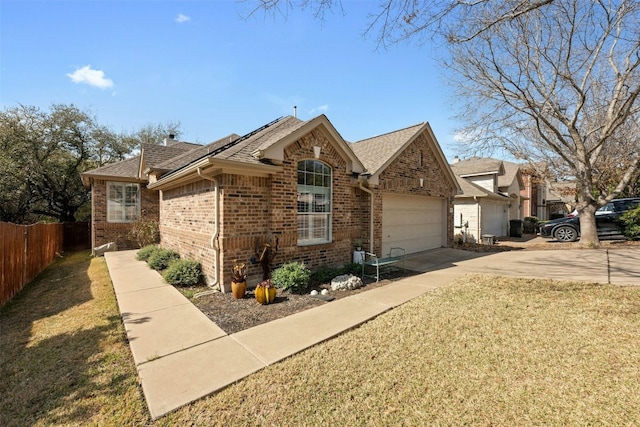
x=314, y=202
x=123, y=202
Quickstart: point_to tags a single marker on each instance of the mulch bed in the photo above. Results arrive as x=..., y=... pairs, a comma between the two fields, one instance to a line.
x=234, y=315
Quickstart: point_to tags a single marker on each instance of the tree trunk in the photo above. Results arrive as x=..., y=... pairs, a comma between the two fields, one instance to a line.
x=588, y=231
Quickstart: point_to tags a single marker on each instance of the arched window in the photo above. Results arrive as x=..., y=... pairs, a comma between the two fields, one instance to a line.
x=314, y=202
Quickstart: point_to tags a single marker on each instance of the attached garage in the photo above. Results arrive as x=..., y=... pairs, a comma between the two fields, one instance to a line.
x=494, y=218
x=415, y=223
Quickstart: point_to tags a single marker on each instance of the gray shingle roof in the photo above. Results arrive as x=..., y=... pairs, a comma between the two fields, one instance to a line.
x=156, y=154
x=243, y=151
x=470, y=189
x=194, y=154
x=477, y=166
x=123, y=169
x=510, y=173
x=375, y=152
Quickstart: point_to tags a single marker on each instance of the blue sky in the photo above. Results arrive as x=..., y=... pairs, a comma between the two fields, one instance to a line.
x=206, y=65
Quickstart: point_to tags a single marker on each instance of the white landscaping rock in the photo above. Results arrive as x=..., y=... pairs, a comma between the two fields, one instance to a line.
x=345, y=282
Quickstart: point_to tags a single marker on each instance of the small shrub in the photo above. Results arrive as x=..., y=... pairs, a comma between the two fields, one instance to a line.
x=324, y=274
x=293, y=276
x=351, y=268
x=631, y=223
x=530, y=223
x=145, y=232
x=145, y=253
x=161, y=259
x=183, y=272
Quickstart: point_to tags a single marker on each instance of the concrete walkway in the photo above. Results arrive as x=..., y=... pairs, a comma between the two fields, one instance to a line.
x=182, y=356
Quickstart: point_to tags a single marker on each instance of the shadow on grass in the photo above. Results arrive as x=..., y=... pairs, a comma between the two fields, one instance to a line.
x=56, y=340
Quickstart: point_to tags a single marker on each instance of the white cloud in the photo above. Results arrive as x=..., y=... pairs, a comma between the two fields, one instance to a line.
x=181, y=19
x=466, y=135
x=321, y=109
x=91, y=77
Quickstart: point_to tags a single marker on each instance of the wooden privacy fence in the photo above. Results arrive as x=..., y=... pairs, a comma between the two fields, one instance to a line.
x=25, y=250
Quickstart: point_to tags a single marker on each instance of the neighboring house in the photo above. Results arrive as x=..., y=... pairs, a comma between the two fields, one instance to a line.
x=533, y=193
x=294, y=182
x=491, y=197
x=560, y=199
x=545, y=199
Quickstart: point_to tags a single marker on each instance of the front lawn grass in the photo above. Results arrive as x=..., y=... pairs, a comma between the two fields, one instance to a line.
x=482, y=351
x=64, y=359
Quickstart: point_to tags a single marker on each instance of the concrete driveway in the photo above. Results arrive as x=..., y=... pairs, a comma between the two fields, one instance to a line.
x=615, y=266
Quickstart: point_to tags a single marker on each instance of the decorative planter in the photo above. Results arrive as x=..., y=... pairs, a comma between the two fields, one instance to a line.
x=238, y=289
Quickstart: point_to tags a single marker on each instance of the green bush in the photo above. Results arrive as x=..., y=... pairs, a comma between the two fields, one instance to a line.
x=145, y=253
x=529, y=224
x=631, y=223
x=352, y=268
x=324, y=274
x=183, y=272
x=161, y=259
x=293, y=276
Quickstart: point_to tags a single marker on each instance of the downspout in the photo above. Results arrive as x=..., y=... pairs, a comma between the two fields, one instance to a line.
x=479, y=216
x=214, y=242
x=370, y=193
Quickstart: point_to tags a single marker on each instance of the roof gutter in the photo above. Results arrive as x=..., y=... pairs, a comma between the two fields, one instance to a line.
x=230, y=166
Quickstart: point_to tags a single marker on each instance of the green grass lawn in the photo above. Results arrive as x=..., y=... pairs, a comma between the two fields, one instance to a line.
x=482, y=351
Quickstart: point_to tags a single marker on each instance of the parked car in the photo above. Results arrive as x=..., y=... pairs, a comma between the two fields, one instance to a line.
x=567, y=229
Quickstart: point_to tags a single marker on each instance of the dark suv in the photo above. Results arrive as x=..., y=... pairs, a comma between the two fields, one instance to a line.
x=607, y=222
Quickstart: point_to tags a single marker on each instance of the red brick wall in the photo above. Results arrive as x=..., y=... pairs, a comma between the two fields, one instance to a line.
x=403, y=176
x=187, y=223
x=103, y=231
x=346, y=225
x=256, y=210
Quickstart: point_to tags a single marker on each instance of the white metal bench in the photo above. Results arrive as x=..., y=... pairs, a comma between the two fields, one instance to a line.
x=371, y=260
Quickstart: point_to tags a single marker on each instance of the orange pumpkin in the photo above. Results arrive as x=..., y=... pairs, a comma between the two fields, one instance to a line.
x=265, y=292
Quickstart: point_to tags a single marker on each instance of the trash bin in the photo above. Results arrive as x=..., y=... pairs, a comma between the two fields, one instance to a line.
x=488, y=239
x=515, y=228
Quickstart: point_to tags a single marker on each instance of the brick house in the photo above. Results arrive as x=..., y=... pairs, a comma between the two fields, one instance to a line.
x=294, y=182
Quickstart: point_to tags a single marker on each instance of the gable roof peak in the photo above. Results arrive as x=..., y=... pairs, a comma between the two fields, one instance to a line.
x=418, y=125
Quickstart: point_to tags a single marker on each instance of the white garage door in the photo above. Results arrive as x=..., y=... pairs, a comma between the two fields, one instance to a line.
x=494, y=219
x=415, y=223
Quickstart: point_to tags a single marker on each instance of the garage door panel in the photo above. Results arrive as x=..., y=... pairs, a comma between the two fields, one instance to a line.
x=412, y=222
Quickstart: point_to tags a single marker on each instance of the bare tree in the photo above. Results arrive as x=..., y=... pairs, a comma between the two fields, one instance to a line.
x=559, y=86
x=555, y=82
